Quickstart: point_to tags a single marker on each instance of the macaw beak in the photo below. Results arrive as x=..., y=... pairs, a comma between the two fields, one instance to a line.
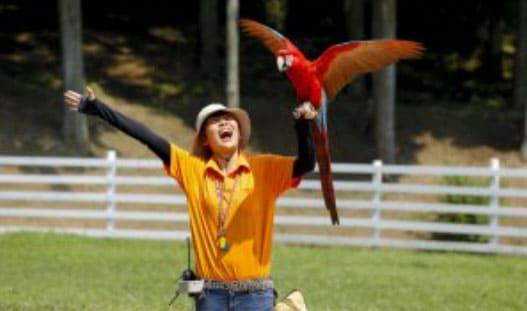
x=280, y=63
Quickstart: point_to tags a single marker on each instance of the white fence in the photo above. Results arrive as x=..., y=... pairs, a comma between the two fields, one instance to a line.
x=380, y=205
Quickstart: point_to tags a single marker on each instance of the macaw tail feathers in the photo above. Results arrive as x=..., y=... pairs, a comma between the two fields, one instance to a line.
x=326, y=177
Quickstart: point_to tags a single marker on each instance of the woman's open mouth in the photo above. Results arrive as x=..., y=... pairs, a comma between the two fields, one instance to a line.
x=225, y=134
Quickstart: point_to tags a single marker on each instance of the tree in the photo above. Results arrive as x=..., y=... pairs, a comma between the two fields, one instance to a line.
x=520, y=83
x=384, y=24
x=233, y=72
x=209, y=37
x=354, y=22
x=75, y=125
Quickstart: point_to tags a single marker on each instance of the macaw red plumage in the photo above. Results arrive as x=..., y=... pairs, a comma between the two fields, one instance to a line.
x=318, y=82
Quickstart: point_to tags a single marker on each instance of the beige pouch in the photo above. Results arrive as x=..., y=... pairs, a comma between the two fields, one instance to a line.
x=294, y=301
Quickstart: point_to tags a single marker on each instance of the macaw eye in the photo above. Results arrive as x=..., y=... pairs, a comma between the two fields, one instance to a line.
x=289, y=60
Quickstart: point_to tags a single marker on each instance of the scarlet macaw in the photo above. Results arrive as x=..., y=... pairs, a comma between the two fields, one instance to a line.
x=317, y=83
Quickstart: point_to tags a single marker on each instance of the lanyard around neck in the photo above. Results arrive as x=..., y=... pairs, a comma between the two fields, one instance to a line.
x=223, y=213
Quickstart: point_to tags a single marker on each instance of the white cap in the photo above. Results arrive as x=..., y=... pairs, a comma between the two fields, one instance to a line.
x=239, y=114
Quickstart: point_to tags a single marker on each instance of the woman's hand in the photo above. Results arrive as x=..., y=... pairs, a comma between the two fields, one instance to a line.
x=305, y=111
x=73, y=98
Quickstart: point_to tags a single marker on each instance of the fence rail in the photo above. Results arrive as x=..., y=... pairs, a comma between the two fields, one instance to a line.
x=376, y=211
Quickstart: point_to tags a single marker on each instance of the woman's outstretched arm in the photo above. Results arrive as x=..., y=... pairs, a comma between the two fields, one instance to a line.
x=305, y=161
x=92, y=106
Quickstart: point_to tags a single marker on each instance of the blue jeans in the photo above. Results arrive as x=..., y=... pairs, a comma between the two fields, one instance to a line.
x=225, y=300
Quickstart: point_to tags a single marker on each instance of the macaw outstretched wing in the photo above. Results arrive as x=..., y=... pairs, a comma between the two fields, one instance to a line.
x=271, y=38
x=341, y=63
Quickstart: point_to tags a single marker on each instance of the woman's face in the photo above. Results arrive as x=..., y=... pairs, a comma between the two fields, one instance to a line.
x=222, y=134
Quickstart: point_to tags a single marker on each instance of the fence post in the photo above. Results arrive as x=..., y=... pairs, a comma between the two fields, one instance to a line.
x=494, y=202
x=376, y=201
x=111, y=158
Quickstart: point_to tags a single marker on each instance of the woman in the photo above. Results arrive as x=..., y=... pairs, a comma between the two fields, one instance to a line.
x=230, y=196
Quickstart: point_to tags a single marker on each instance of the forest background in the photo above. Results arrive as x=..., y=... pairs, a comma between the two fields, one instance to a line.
x=460, y=104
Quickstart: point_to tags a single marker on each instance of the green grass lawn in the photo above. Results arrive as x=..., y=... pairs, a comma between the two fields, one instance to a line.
x=52, y=272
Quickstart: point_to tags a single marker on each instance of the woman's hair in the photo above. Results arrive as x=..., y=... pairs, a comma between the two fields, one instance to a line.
x=205, y=151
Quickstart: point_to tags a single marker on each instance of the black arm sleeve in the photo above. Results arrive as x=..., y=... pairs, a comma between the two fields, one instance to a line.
x=154, y=142
x=305, y=161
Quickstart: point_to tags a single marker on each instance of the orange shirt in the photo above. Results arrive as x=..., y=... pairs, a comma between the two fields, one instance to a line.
x=249, y=223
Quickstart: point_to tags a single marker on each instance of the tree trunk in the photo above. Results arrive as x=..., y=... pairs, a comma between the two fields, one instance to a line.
x=233, y=79
x=354, y=19
x=75, y=125
x=520, y=83
x=491, y=55
x=209, y=37
x=384, y=25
